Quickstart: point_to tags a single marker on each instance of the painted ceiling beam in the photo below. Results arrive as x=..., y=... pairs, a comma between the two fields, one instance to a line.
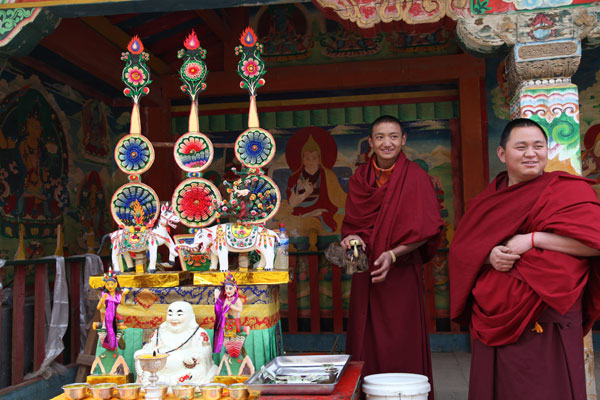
x=82, y=8
x=76, y=84
x=342, y=76
x=121, y=39
x=76, y=42
x=217, y=24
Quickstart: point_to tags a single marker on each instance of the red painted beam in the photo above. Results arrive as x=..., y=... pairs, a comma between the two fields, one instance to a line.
x=162, y=23
x=315, y=306
x=351, y=75
x=39, y=315
x=79, y=44
x=74, y=293
x=292, y=313
x=18, y=326
x=336, y=293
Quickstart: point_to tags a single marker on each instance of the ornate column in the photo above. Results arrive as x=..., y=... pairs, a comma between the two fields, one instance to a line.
x=539, y=75
x=544, y=50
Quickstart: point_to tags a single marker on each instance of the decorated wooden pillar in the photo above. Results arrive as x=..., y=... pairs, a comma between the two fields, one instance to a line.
x=545, y=50
x=539, y=75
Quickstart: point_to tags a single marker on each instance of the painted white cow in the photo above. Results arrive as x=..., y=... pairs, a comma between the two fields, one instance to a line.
x=125, y=242
x=219, y=240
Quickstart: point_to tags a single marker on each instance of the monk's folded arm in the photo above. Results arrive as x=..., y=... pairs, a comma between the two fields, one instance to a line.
x=563, y=244
x=406, y=248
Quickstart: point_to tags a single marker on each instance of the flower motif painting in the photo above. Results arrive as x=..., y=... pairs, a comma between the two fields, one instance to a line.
x=134, y=154
x=194, y=202
x=255, y=147
x=193, y=152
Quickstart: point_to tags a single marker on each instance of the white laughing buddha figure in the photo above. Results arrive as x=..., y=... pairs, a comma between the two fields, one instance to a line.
x=188, y=347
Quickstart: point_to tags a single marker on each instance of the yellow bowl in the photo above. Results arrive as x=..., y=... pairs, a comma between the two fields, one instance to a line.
x=238, y=391
x=76, y=391
x=129, y=391
x=184, y=391
x=103, y=391
x=212, y=391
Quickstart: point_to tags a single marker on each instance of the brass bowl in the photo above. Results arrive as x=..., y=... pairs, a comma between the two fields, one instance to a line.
x=129, y=391
x=238, y=391
x=76, y=391
x=212, y=391
x=103, y=391
x=164, y=389
x=184, y=391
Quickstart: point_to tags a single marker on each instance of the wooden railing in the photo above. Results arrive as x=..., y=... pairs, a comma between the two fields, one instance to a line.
x=294, y=314
x=43, y=272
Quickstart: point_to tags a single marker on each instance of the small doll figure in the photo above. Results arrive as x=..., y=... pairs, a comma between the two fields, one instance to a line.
x=112, y=322
x=228, y=330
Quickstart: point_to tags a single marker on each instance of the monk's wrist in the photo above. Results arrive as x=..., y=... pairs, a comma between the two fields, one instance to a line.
x=393, y=255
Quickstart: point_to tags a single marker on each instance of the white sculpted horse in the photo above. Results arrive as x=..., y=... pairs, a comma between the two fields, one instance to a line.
x=125, y=242
x=219, y=240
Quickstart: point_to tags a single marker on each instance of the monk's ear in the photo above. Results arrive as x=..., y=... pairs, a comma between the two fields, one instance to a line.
x=501, y=154
x=370, y=139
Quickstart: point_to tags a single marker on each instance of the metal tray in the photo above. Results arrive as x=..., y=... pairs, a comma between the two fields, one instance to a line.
x=323, y=371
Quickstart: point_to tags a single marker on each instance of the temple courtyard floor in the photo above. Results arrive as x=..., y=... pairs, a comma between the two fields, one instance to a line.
x=451, y=374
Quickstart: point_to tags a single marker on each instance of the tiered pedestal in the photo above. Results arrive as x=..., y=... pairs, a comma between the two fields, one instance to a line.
x=145, y=307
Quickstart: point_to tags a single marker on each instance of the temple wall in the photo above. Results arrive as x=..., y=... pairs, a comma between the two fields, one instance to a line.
x=56, y=163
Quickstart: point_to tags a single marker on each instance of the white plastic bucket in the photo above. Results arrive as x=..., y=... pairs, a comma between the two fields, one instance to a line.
x=396, y=387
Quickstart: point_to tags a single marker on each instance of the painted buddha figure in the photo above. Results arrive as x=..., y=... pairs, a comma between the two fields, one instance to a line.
x=186, y=343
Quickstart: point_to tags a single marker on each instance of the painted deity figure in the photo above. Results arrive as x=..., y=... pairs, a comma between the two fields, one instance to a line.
x=186, y=343
x=228, y=329
x=313, y=189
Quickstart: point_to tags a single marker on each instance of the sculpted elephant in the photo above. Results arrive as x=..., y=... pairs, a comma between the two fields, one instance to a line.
x=125, y=242
x=219, y=240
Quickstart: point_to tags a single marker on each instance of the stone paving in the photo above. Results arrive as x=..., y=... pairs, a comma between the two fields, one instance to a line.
x=451, y=375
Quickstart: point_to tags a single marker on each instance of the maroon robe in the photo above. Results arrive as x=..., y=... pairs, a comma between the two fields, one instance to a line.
x=543, y=286
x=386, y=327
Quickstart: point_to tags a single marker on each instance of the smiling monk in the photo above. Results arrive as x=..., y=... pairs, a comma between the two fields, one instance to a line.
x=391, y=209
x=524, y=274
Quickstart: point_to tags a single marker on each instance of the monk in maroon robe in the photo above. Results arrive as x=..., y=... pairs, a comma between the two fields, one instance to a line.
x=392, y=210
x=520, y=275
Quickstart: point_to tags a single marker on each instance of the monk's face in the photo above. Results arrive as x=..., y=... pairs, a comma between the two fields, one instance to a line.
x=387, y=140
x=525, y=155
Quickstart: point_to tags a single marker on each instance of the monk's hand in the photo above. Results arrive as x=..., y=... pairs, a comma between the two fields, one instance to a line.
x=519, y=244
x=345, y=243
x=502, y=259
x=384, y=262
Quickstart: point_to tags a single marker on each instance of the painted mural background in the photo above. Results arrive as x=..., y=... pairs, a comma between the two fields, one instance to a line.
x=55, y=163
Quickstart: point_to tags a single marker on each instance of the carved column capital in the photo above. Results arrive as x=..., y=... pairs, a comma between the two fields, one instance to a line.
x=542, y=63
x=493, y=33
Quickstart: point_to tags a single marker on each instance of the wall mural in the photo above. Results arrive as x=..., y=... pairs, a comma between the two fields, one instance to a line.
x=55, y=165
x=317, y=151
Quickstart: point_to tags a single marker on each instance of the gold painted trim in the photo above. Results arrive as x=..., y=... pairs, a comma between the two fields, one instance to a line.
x=242, y=278
x=161, y=280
